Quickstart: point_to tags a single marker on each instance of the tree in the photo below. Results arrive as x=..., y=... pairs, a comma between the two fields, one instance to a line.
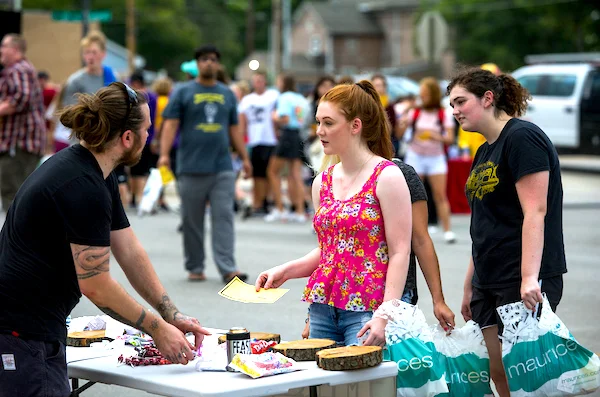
x=505, y=31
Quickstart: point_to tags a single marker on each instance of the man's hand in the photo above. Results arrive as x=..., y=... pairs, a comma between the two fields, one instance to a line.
x=377, y=332
x=187, y=324
x=173, y=345
x=164, y=161
x=247, y=166
x=444, y=315
x=531, y=292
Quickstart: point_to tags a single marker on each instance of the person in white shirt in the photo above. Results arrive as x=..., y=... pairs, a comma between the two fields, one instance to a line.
x=255, y=120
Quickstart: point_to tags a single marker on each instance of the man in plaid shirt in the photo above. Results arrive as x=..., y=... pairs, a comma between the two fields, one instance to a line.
x=22, y=125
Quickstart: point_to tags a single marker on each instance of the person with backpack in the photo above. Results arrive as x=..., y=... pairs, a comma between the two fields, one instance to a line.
x=432, y=129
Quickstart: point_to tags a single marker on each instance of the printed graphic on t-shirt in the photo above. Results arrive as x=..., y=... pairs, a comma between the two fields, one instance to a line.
x=211, y=102
x=483, y=180
x=300, y=111
x=257, y=114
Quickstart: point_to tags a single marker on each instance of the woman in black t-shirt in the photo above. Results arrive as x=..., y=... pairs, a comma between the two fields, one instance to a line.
x=515, y=194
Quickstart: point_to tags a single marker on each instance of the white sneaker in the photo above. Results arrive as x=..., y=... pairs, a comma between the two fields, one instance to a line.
x=450, y=237
x=297, y=218
x=432, y=229
x=275, y=216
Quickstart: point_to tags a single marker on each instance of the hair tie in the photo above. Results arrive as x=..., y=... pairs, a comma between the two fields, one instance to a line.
x=362, y=88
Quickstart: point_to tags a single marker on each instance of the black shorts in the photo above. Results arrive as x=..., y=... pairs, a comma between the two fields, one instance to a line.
x=121, y=174
x=259, y=157
x=485, y=301
x=32, y=368
x=148, y=160
x=290, y=144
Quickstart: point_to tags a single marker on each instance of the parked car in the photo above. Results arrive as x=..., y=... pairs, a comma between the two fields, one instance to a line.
x=398, y=86
x=565, y=100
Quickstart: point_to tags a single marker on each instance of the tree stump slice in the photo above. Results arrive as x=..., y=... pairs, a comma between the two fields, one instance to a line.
x=349, y=358
x=258, y=336
x=85, y=338
x=303, y=350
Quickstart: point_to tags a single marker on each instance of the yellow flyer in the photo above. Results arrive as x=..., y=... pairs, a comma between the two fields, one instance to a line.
x=239, y=291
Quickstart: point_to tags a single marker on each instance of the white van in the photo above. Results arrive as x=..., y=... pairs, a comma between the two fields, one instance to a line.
x=565, y=100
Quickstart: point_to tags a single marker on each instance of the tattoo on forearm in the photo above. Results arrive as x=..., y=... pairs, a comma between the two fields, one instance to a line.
x=140, y=320
x=137, y=325
x=154, y=325
x=166, y=307
x=91, y=261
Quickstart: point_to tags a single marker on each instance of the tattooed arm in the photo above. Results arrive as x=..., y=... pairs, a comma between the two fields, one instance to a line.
x=95, y=282
x=136, y=264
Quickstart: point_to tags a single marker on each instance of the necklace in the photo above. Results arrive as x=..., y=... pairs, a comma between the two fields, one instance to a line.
x=356, y=176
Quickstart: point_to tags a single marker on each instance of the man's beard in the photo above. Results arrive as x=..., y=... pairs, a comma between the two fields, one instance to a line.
x=208, y=74
x=133, y=155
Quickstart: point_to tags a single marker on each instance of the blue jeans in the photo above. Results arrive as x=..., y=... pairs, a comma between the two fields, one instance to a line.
x=341, y=326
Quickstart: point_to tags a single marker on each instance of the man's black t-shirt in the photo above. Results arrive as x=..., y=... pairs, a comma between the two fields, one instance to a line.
x=65, y=201
x=417, y=193
x=497, y=218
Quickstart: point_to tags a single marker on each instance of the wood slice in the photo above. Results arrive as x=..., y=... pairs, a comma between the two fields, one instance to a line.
x=85, y=338
x=303, y=350
x=349, y=357
x=258, y=336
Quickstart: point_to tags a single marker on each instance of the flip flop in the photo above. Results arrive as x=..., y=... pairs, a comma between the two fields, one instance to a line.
x=196, y=277
x=228, y=277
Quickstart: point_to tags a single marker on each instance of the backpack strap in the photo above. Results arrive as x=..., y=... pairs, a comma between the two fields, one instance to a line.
x=416, y=114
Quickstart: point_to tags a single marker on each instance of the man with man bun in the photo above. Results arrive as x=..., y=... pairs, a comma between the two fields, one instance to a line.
x=56, y=243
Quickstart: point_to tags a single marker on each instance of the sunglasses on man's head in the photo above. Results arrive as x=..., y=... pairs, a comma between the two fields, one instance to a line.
x=132, y=100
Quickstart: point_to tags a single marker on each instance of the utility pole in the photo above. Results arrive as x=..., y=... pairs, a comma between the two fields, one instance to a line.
x=130, y=35
x=276, y=32
x=85, y=17
x=250, y=27
x=287, y=35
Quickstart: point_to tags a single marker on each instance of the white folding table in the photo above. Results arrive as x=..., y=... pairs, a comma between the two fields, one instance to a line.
x=185, y=380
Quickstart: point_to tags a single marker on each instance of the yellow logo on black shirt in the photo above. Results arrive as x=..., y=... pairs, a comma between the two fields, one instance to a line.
x=483, y=180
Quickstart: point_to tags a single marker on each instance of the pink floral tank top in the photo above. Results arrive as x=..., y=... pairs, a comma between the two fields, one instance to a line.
x=354, y=254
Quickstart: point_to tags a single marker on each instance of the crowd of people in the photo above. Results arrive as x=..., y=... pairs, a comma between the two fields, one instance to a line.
x=340, y=152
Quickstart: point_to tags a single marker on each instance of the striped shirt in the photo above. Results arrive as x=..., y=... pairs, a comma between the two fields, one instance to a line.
x=25, y=129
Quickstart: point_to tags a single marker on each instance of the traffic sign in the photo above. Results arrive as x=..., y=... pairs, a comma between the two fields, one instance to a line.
x=432, y=36
x=69, y=15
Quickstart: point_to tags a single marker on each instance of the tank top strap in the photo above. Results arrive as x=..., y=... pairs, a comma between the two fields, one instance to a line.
x=372, y=181
x=326, y=183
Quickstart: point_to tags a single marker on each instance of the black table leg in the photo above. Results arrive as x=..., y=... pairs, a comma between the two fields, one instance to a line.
x=78, y=390
x=313, y=391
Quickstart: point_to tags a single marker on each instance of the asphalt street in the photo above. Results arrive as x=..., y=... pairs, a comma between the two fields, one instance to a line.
x=260, y=245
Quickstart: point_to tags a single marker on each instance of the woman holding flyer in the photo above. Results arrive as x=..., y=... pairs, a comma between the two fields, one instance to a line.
x=362, y=220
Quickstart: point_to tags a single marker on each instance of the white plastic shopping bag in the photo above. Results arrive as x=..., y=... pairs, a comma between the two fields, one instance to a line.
x=541, y=357
x=410, y=345
x=154, y=186
x=465, y=359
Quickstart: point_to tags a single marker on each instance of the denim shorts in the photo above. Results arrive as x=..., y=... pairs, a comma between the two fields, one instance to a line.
x=341, y=326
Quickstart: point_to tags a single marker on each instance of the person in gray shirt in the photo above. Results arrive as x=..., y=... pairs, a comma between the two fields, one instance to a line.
x=94, y=75
x=205, y=111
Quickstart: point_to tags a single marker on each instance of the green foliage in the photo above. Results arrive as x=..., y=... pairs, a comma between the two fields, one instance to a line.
x=168, y=31
x=505, y=31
